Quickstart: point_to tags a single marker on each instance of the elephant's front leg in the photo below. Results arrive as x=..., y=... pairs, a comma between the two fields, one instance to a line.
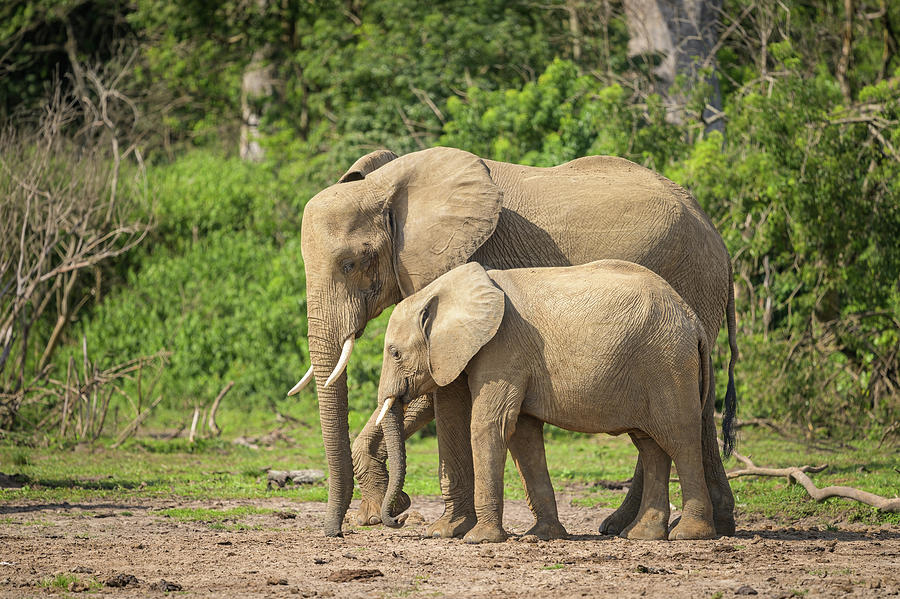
x=370, y=455
x=527, y=448
x=495, y=411
x=453, y=409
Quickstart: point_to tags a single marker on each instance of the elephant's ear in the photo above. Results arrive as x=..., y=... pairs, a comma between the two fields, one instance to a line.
x=443, y=205
x=463, y=313
x=365, y=165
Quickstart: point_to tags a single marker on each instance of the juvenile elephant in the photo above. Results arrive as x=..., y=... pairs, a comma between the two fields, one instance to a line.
x=392, y=225
x=603, y=347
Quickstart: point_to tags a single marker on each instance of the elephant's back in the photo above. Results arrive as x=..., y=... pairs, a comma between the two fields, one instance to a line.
x=607, y=290
x=603, y=207
x=604, y=330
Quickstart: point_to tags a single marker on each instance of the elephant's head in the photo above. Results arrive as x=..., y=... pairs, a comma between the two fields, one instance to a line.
x=388, y=228
x=430, y=339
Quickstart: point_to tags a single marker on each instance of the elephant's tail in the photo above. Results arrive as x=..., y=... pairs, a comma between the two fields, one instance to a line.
x=705, y=365
x=730, y=407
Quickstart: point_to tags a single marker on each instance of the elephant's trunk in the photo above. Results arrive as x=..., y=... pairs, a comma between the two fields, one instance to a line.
x=392, y=426
x=324, y=351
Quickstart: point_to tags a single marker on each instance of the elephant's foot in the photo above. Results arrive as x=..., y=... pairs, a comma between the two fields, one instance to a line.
x=486, y=533
x=653, y=526
x=369, y=512
x=725, y=525
x=548, y=529
x=619, y=520
x=689, y=528
x=451, y=525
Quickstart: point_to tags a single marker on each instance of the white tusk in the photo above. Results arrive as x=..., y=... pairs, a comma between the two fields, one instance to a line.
x=387, y=406
x=302, y=382
x=342, y=361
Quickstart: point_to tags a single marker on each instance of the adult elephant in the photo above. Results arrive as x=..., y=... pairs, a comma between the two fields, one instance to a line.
x=392, y=225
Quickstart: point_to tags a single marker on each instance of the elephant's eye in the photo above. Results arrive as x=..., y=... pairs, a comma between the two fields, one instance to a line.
x=347, y=266
x=395, y=353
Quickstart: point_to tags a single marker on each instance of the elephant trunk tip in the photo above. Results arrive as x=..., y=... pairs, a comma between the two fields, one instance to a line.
x=391, y=521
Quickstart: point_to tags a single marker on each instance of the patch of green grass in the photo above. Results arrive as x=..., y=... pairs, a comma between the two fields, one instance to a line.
x=20, y=458
x=60, y=581
x=219, y=469
x=556, y=566
x=64, y=581
x=36, y=523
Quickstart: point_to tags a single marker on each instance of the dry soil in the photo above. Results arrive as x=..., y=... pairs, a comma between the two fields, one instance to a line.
x=284, y=554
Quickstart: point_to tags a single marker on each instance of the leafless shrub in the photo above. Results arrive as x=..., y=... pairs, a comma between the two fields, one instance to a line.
x=71, y=193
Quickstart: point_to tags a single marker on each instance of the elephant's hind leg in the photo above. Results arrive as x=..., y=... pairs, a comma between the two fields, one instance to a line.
x=625, y=514
x=696, y=516
x=716, y=480
x=652, y=521
x=527, y=448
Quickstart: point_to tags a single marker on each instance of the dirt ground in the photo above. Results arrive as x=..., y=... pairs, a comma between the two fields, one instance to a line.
x=284, y=554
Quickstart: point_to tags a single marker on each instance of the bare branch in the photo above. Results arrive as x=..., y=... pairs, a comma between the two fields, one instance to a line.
x=211, y=423
x=799, y=475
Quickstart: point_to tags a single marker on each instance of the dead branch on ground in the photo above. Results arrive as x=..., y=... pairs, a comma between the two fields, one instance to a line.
x=799, y=475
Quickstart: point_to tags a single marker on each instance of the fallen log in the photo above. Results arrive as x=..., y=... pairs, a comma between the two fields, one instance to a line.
x=799, y=475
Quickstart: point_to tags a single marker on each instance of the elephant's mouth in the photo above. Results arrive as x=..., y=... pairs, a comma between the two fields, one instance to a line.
x=403, y=396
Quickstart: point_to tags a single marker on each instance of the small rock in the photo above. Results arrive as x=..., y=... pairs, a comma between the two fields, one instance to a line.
x=529, y=539
x=414, y=517
x=273, y=580
x=874, y=584
x=320, y=560
x=347, y=575
x=280, y=478
x=745, y=590
x=223, y=542
x=82, y=570
x=642, y=569
x=285, y=515
x=121, y=580
x=165, y=586
x=76, y=586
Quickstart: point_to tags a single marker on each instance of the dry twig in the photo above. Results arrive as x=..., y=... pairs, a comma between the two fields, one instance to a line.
x=798, y=474
x=211, y=422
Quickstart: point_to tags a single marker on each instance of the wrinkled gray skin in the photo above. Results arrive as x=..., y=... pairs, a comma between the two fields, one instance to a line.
x=393, y=225
x=392, y=425
x=607, y=346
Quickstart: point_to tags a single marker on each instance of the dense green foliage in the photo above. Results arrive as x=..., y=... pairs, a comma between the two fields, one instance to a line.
x=804, y=186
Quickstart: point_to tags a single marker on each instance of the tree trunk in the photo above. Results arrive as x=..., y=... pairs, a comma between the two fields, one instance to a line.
x=257, y=88
x=681, y=34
